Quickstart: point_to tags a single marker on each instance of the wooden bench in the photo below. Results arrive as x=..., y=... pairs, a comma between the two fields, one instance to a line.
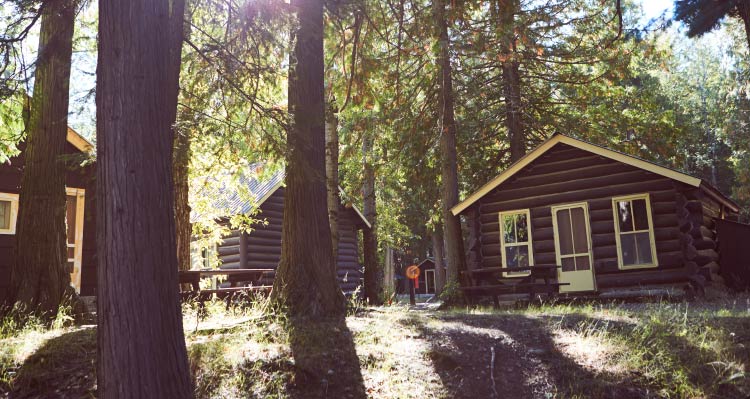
x=486, y=282
x=235, y=277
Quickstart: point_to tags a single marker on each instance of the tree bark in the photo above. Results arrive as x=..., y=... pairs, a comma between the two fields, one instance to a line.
x=332, y=176
x=305, y=282
x=437, y=250
x=140, y=335
x=180, y=175
x=40, y=275
x=505, y=21
x=454, y=245
x=373, y=272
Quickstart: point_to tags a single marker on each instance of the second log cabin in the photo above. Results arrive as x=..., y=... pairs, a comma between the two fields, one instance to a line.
x=610, y=220
x=261, y=248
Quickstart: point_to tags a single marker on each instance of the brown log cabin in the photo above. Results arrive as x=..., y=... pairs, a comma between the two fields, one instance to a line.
x=261, y=248
x=81, y=225
x=610, y=220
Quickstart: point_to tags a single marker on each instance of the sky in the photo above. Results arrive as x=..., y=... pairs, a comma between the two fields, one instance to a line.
x=654, y=8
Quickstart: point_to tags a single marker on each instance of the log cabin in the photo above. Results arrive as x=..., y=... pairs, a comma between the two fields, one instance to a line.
x=80, y=210
x=261, y=248
x=609, y=220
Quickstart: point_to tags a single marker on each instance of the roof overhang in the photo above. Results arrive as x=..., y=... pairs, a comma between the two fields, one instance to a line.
x=598, y=150
x=79, y=141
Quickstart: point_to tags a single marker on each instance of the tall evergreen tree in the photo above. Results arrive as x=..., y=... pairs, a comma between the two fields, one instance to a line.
x=306, y=276
x=39, y=277
x=141, y=341
x=703, y=16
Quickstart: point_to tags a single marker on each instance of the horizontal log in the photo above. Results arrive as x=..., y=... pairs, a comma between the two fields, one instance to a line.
x=230, y=241
x=492, y=205
x=224, y=250
x=603, y=239
x=604, y=227
x=667, y=220
x=271, y=258
x=636, y=278
x=668, y=246
x=542, y=246
x=713, y=267
x=605, y=169
x=510, y=192
x=704, y=243
x=566, y=164
x=267, y=234
x=229, y=258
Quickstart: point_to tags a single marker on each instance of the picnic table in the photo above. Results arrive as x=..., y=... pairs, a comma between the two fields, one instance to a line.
x=486, y=281
x=235, y=277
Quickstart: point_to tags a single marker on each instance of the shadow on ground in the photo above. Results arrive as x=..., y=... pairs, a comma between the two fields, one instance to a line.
x=326, y=362
x=63, y=367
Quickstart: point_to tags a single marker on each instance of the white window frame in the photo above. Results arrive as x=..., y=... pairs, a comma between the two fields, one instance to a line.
x=652, y=236
x=75, y=276
x=13, y=198
x=503, y=244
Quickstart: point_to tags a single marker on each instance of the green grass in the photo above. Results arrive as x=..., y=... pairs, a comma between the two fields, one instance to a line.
x=662, y=349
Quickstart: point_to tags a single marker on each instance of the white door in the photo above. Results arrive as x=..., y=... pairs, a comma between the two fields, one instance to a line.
x=573, y=247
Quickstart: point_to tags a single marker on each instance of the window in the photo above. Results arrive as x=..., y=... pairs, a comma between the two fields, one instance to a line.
x=515, y=241
x=8, y=213
x=634, y=232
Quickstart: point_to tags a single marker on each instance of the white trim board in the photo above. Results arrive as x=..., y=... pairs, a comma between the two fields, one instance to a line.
x=598, y=150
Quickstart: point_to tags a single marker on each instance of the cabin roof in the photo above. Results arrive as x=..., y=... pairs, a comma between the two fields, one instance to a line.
x=231, y=202
x=598, y=150
x=78, y=141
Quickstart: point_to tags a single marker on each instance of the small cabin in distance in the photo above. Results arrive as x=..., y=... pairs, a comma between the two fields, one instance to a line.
x=80, y=214
x=261, y=248
x=610, y=220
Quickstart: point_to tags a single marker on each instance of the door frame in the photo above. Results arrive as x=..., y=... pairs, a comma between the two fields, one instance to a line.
x=587, y=222
x=75, y=276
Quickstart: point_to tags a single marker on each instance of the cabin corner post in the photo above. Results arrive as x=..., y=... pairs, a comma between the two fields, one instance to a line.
x=698, y=239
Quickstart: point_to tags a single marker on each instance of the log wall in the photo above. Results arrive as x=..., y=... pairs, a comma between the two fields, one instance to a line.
x=567, y=175
x=263, y=245
x=697, y=218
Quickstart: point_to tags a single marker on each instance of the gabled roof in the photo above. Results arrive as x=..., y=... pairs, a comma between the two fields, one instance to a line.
x=79, y=141
x=229, y=201
x=598, y=150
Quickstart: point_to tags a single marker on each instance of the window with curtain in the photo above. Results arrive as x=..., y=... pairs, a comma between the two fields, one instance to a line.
x=515, y=240
x=634, y=231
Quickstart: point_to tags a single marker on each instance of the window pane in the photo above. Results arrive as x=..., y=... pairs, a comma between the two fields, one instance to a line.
x=583, y=263
x=4, y=215
x=629, y=256
x=625, y=217
x=508, y=229
x=563, y=231
x=640, y=215
x=523, y=256
x=643, y=244
x=580, y=241
x=511, y=256
x=70, y=218
x=568, y=264
x=522, y=228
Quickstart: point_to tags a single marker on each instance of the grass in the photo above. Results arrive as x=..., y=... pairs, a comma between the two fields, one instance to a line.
x=579, y=350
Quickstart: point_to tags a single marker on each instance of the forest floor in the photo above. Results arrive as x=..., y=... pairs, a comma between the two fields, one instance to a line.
x=698, y=349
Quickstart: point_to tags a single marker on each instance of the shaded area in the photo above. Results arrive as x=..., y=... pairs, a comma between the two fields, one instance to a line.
x=63, y=367
x=326, y=361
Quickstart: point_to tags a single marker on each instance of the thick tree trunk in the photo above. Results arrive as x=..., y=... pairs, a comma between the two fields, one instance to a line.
x=180, y=175
x=512, y=88
x=41, y=275
x=305, y=280
x=437, y=250
x=505, y=20
x=373, y=272
x=332, y=176
x=454, y=245
x=140, y=337
x=743, y=8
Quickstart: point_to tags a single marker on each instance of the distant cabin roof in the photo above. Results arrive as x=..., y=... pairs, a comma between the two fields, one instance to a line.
x=598, y=150
x=79, y=141
x=229, y=201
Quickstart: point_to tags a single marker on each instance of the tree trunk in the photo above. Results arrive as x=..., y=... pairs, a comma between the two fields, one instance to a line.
x=373, y=273
x=437, y=251
x=40, y=275
x=305, y=280
x=454, y=245
x=332, y=176
x=180, y=174
x=743, y=8
x=140, y=336
x=511, y=78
